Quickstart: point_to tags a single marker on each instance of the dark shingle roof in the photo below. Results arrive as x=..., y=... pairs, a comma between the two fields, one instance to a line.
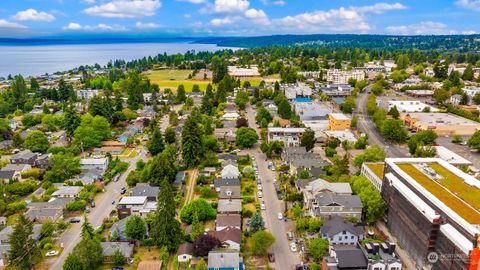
x=337, y=224
x=351, y=259
x=221, y=182
x=348, y=201
x=229, y=220
x=148, y=191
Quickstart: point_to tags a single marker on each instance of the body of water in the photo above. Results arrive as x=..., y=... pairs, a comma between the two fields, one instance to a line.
x=36, y=60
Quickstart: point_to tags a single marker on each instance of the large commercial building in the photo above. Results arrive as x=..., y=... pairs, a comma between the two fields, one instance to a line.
x=441, y=123
x=434, y=212
x=407, y=106
x=336, y=76
x=338, y=121
x=289, y=136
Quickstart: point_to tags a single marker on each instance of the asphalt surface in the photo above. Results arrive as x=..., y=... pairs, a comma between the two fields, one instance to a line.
x=104, y=206
x=284, y=258
x=366, y=125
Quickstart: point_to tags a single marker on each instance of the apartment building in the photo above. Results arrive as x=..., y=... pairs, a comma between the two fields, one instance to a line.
x=335, y=76
x=289, y=136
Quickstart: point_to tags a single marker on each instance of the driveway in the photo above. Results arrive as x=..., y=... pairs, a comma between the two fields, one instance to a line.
x=102, y=210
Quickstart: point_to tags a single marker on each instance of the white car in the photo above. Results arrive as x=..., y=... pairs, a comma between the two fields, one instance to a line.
x=293, y=247
x=51, y=253
x=260, y=187
x=274, y=180
x=262, y=206
x=280, y=215
x=259, y=194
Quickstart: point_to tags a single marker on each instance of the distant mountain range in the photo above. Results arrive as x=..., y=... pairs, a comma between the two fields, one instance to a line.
x=461, y=43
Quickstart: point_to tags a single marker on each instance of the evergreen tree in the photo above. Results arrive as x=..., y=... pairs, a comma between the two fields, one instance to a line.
x=197, y=227
x=89, y=253
x=394, y=112
x=156, y=143
x=65, y=90
x=308, y=139
x=24, y=251
x=34, y=86
x=256, y=223
x=72, y=263
x=170, y=135
x=161, y=167
x=468, y=73
x=191, y=141
x=87, y=229
x=165, y=229
x=71, y=120
x=284, y=109
x=181, y=94
x=207, y=101
x=19, y=91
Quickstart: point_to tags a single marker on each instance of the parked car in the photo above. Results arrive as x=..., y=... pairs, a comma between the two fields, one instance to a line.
x=293, y=247
x=92, y=204
x=271, y=257
x=87, y=209
x=260, y=187
x=123, y=190
x=259, y=194
x=113, y=202
x=51, y=253
x=116, y=177
x=289, y=235
x=262, y=206
x=280, y=216
x=75, y=220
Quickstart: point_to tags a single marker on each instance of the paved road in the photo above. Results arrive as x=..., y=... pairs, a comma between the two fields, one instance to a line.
x=366, y=125
x=102, y=210
x=284, y=258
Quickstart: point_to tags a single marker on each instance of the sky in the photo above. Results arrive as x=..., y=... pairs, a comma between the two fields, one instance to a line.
x=53, y=18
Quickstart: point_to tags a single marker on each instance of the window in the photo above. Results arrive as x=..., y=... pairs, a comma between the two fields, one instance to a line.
x=344, y=232
x=340, y=238
x=352, y=237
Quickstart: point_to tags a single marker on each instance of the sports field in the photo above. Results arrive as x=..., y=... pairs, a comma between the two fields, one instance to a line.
x=172, y=78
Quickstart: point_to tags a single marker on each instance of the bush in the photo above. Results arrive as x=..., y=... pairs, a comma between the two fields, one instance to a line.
x=203, y=208
x=76, y=205
x=21, y=188
x=47, y=246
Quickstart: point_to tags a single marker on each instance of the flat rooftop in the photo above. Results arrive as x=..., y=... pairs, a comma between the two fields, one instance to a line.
x=457, y=190
x=442, y=119
x=340, y=116
x=410, y=106
x=377, y=169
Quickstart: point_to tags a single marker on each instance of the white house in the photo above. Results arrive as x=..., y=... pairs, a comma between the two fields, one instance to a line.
x=94, y=163
x=289, y=136
x=230, y=172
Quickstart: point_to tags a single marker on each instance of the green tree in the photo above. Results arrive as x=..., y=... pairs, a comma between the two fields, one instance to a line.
x=34, y=86
x=197, y=227
x=314, y=224
x=201, y=265
x=256, y=223
x=340, y=165
x=372, y=154
x=468, y=73
x=241, y=99
x=89, y=253
x=402, y=61
x=349, y=105
x=181, y=94
x=377, y=89
x=308, y=139
x=474, y=141
x=219, y=69
x=170, y=136
x=24, y=251
x=135, y=227
x=36, y=141
x=87, y=229
x=394, y=112
x=394, y=131
x=191, y=141
x=71, y=120
x=304, y=174
x=62, y=167
x=65, y=91
x=19, y=91
x=207, y=101
x=159, y=168
x=156, y=144
x=200, y=207
x=118, y=259
x=261, y=242
x=263, y=114
x=318, y=247
x=165, y=229
x=72, y=263
x=246, y=137
x=373, y=205
x=284, y=109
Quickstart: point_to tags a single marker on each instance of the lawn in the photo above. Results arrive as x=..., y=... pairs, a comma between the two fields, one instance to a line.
x=456, y=204
x=169, y=78
x=142, y=254
x=377, y=169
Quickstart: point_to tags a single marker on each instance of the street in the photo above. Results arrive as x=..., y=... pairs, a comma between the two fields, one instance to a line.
x=71, y=236
x=284, y=258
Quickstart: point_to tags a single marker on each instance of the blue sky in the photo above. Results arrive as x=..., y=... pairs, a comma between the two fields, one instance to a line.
x=37, y=18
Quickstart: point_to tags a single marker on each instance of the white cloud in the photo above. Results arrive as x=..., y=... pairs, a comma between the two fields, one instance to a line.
x=125, y=9
x=333, y=20
x=187, y=15
x=230, y=6
x=89, y=1
x=279, y=3
x=99, y=27
x=422, y=28
x=469, y=32
x=4, y=24
x=257, y=16
x=221, y=21
x=145, y=26
x=379, y=8
x=33, y=15
x=470, y=4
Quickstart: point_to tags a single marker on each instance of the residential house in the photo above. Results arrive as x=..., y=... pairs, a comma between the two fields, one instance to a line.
x=6, y=176
x=230, y=172
x=135, y=205
x=42, y=161
x=109, y=248
x=230, y=116
x=118, y=230
x=114, y=150
x=230, y=192
x=24, y=157
x=196, y=96
x=229, y=206
x=185, y=252
x=289, y=136
x=224, y=221
x=42, y=215
x=94, y=163
x=222, y=157
x=67, y=192
x=221, y=182
x=144, y=189
x=230, y=237
x=299, y=159
x=455, y=99
x=318, y=186
x=228, y=134
x=328, y=204
x=341, y=232
x=52, y=203
x=346, y=258
x=224, y=260
x=179, y=178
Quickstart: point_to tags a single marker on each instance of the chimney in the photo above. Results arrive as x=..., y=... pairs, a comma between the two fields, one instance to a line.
x=392, y=247
x=376, y=248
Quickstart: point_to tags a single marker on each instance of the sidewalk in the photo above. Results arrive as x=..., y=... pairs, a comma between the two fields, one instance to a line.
x=407, y=261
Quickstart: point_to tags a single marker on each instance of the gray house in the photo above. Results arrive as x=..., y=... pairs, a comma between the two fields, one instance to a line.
x=224, y=259
x=24, y=157
x=341, y=232
x=328, y=205
x=142, y=189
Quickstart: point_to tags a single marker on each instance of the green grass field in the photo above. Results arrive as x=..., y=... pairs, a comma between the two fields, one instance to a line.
x=173, y=78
